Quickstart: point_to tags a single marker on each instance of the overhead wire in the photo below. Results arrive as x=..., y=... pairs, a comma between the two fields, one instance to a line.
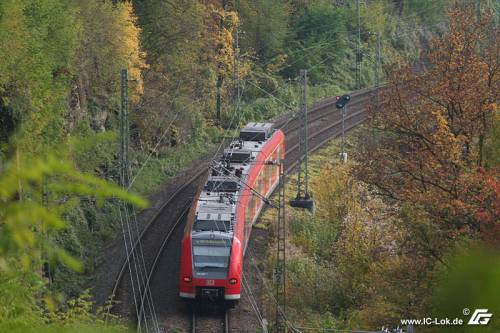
x=271, y=294
x=257, y=193
x=270, y=95
x=147, y=294
x=128, y=261
x=232, y=122
x=138, y=266
x=252, y=299
x=239, y=96
x=138, y=259
x=131, y=256
x=155, y=148
x=143, y=288
x=244, y=282
x=246, y=287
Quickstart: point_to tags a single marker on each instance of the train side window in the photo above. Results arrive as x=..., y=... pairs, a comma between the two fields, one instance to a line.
x=248, y=217
x=259, y=182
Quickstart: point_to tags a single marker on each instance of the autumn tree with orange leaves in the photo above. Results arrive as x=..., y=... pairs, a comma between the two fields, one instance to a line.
x=427, y=145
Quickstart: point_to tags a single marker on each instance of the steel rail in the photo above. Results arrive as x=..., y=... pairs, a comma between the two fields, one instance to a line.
x=225, y=326
x=321, y=109
x=181, y=217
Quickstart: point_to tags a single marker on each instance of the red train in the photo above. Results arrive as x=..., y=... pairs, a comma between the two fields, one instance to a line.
x=221, y=217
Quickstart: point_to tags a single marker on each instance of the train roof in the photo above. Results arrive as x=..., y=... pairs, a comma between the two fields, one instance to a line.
x=257, y=131
x=218, y=199
x=216, y=207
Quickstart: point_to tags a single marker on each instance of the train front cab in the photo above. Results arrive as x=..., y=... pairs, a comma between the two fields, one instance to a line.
x=212, y=274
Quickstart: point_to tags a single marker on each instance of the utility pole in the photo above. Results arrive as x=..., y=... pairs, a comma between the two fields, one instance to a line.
x=478, y=10
x=358, y=51
x=280, y=270
x=237, y=60
x=124, y=131
x=47, y=269
x=45, y=192
x=303, y=74
x=343, y=132
x=378, y=72
x=303, y=198
x=342, y=105
x=220, y=78
x=379, y=60
x=303, y=128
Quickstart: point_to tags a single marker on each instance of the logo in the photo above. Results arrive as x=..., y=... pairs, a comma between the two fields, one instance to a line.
x=480, y=317
x=210, y=282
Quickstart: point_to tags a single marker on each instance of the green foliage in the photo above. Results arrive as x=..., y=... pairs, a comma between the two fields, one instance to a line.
x=23, y=328
x=34, y=69
x=30, y=225
x=59, y=83
x=317, y=42
x=25, y=220
x=109, y=42
x=265, y=25
x=428, y=12
x=314, y=278
x=471, y=282
x=17, y=289
x=94, y=152
x=76, y=316
x=167, y=164
x=180, y=43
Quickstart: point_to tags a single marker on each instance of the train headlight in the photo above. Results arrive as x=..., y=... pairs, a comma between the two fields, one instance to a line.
x=233, y=281
x=187, y=279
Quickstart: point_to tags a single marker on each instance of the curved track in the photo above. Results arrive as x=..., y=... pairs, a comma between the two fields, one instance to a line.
x=160, y=239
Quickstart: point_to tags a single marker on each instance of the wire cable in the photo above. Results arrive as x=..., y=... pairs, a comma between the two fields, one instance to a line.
x=159, y=142
x=146, y=294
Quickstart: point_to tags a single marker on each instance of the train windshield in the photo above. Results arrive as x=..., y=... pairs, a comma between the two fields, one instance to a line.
x=221, y=186
x=211, y=257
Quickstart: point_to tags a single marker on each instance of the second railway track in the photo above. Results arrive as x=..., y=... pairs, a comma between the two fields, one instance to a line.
x=162, y=235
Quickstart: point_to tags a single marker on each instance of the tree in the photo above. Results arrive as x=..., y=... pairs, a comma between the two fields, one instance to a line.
x=265, y=26
x=316, y=41
x=220, y=23
x=178, y=85
x=35, y=69
x=432, y=124
x=109, y=42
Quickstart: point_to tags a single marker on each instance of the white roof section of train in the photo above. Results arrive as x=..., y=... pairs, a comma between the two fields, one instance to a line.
x=221, y=205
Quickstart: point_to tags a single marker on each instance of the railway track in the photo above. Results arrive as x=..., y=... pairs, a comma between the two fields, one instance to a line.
x=323, y=108
x=163, y=235
x=210, y=319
